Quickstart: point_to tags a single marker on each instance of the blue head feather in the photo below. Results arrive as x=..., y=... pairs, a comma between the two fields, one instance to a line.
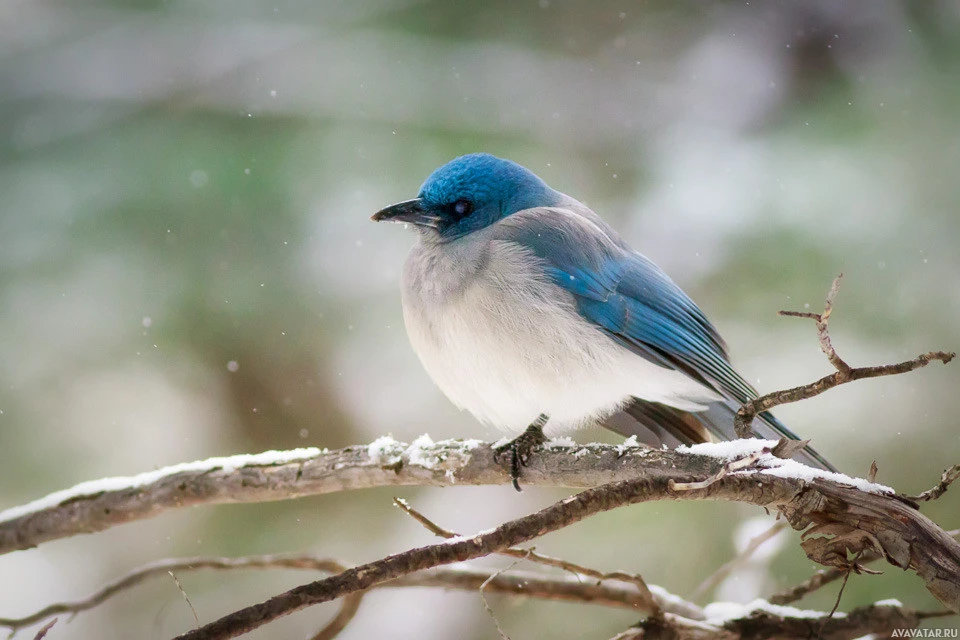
x=474, y=191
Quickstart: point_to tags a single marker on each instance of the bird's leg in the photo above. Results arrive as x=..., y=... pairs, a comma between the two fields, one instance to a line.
x=521, y=447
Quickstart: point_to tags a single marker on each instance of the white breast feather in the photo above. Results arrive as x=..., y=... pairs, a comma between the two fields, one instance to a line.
x=506, y=344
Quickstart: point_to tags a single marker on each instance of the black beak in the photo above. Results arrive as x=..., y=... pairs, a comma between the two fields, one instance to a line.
x=411, y=211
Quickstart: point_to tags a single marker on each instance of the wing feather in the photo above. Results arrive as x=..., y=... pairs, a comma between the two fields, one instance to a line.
x=639, y=306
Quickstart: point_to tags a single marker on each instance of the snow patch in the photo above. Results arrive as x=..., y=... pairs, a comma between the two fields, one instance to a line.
x=769, y=464
x=781, y=468
x=381, y=447
x=629, y=443
x=889, y=602
x=560, y=443
x=728, y=450
x=424, y=452
x=666, y=597
x=720, y=612
x=417, y=453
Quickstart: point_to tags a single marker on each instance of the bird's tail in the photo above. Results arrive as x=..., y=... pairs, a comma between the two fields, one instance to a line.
x=655, y=423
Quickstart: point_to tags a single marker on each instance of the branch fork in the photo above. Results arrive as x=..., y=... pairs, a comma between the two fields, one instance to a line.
x=844, y=372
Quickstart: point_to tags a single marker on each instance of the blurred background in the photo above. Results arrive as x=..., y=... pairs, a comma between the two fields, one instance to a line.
x=188, y=268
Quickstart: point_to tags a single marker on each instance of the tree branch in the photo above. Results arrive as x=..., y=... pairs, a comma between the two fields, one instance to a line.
x=94, y=506
x=569, y=589
x=949, y=476
x=879, y=619
x=842, y=519
x=651, y=603
x=163, y=567
x=844, y=372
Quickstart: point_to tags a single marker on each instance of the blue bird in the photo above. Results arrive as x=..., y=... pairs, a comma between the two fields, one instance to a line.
x=528, y=310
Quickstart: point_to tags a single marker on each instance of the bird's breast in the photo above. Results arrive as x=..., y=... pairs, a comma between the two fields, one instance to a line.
x=504, y=342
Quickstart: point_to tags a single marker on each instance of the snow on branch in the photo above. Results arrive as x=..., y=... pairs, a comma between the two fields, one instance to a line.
x=282, y=475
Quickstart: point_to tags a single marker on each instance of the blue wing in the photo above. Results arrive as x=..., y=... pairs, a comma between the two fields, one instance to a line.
x=638, y=305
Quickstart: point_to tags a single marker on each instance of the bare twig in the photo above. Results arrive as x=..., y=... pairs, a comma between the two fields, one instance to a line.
x=486, y=605
x=652, y=605
x=718, y=576
x=166, y=566
x=730, y=467
x=186, y=598
x=949, y=477
x=348, y=609
x=814, y=582
x=836, y=603
x=823, y=333
x=45, y=629
x=844, y=372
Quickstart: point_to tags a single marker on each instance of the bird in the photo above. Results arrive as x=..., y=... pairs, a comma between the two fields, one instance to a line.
x=529, y=311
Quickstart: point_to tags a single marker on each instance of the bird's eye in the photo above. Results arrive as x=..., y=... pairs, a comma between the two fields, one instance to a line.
x=462, y=208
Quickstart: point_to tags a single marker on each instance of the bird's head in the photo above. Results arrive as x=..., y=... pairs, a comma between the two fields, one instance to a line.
x=469, y=193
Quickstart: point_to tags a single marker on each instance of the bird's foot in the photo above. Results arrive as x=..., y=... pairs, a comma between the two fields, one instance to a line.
x=521, y=447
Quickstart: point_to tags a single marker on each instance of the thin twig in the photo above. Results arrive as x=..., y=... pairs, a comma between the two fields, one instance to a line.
x=844, y=372
x=653, y=605
x=486, y=605
x=349, y=606
x=45, y=629
x=169, y=565
x=949, y=477
x=186, y=598
x=708, y=585
x=811, y=584
x=734, y=465
x=926, y=615
x=836, y=603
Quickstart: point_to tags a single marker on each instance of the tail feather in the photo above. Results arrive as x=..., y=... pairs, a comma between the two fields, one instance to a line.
x=659, y=424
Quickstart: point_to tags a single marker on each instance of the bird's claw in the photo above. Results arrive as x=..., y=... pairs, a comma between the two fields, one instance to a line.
x=520, y=449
